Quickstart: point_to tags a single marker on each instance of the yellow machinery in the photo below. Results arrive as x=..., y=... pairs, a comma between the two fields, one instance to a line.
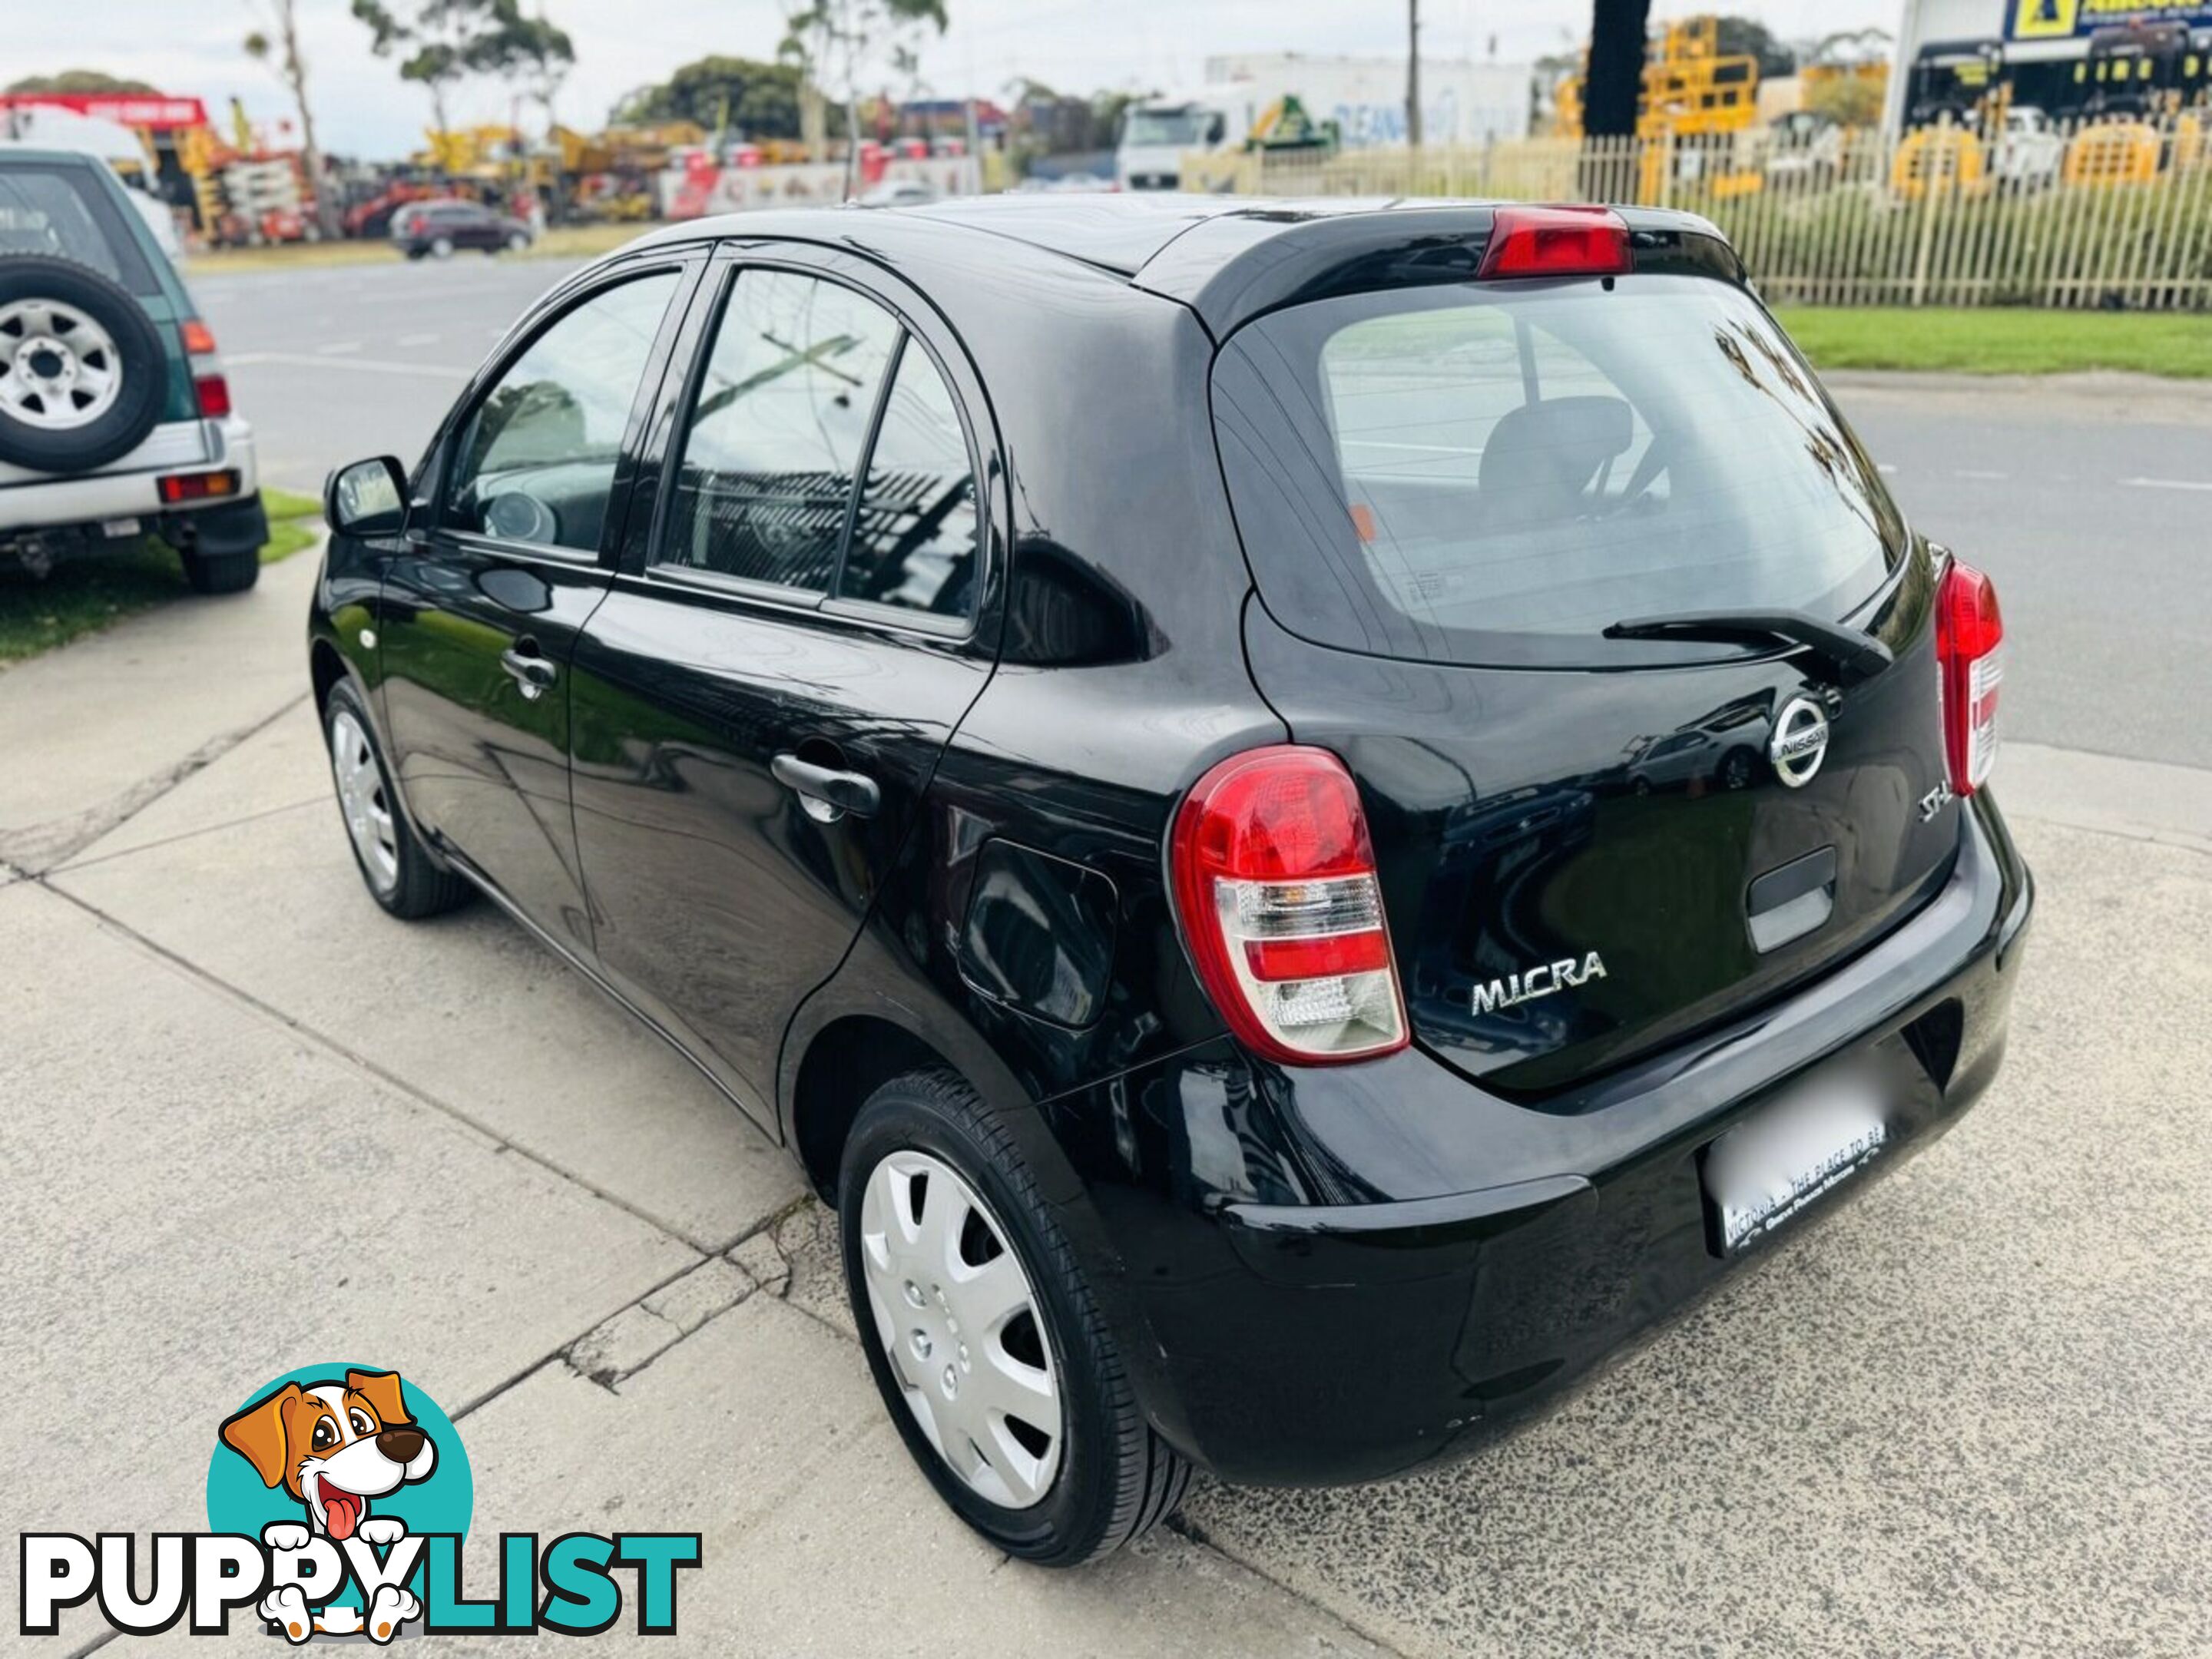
x=2137, y=75
x=1690, y=90
x=243, y=193
x=1947, y=159
x=1284, y=128
x=1696, y=100
x=2114, y=153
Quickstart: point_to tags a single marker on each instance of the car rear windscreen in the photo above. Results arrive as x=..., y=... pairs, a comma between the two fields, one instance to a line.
x=1495, y=473
x=65, y=210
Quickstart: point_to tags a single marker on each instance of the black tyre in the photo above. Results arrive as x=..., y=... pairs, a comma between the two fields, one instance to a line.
x=400, y=875
x=990, y=1353
x=82, y=376
x=222, y=573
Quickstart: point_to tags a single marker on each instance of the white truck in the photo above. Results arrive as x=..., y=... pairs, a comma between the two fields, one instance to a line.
x=1462, y=102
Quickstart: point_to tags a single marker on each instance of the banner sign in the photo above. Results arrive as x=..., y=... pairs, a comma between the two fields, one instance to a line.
x=130, y=109
x=2067, y=20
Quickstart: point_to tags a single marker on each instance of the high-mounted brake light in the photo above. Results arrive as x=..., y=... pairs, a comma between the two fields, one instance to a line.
x=1275, y=884
x=1556, y=241
x=1970, y=655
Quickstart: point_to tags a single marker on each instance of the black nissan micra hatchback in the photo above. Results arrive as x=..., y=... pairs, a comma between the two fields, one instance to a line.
x=1310, y=816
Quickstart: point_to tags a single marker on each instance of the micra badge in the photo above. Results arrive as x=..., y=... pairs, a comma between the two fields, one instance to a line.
x=1547, y=979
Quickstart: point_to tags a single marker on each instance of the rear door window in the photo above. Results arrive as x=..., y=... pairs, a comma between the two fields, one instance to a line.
x=826, y=453
x=67, y=211
x=1496, y=475
x=778, y=426
x=914, y=532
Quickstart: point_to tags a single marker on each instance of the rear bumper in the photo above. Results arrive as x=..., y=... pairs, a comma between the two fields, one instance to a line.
x=130, y=488
x=1505, y=1252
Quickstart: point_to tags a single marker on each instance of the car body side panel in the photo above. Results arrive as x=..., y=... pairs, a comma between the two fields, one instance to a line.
x=720, y=901
x=1121, y=677
x=1121, y=674
x=484, y=766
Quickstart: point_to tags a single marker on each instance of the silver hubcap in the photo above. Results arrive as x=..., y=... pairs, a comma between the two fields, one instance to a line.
x=361, y=797
x=959, y=1323
x=58, y=369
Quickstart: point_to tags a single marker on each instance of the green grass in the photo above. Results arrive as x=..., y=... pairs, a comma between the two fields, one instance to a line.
x=2003, y=340
x=87, y=591
x=292, y=522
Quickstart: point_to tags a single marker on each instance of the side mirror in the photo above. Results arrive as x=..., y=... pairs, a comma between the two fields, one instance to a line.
x=368, y=498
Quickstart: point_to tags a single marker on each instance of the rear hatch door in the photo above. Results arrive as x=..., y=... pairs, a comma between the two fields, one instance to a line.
x=1590, y=846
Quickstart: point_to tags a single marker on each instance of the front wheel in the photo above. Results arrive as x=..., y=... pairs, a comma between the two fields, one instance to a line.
x=397, y=872
x=441, y=247
x=990, y=1353
x=518, y=243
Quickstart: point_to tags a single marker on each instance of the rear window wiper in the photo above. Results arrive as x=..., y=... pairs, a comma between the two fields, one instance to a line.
x=1857, y=656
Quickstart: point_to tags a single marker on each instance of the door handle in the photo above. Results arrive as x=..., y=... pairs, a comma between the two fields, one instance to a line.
x=533, y=673
x=826, y=793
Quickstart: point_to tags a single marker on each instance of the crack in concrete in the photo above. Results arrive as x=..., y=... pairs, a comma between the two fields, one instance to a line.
x=41, y=847
x=73, y=864
x=635, y=1336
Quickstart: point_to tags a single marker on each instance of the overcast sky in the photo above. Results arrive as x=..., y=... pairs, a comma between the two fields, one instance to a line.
x=364, y=108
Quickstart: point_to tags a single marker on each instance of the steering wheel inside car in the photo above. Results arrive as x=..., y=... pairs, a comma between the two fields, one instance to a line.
x=513, y=516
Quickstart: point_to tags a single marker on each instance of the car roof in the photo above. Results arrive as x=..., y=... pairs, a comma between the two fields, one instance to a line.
x=1227, y=258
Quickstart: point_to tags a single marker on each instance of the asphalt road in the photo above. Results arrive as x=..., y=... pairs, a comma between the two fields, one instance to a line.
x=2090, y=504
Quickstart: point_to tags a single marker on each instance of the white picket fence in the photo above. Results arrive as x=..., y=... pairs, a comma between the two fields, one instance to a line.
x=2092, y=214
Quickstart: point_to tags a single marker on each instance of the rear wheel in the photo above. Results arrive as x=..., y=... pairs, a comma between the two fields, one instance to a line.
x=517, y=242
x=441, y=247
x=984, y=1339
x=397, y=872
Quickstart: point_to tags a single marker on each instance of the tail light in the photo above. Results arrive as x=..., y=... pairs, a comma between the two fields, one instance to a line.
x=1275, y=883
x=180, y=487
x=1556, y=241
x=1970, y=653
x=207, y=383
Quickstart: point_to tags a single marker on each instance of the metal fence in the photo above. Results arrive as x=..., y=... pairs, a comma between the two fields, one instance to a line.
x=2110, y=213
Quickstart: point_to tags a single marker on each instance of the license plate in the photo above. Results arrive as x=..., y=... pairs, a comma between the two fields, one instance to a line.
x=1786, y=1156
x=113, y=528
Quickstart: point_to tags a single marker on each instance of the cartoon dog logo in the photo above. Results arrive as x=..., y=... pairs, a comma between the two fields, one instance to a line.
x=336, y=1447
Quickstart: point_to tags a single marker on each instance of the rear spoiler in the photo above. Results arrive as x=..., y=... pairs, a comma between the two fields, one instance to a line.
x=1236, y=266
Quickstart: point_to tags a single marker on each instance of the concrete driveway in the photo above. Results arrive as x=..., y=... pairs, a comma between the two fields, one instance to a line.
x=251, y=1122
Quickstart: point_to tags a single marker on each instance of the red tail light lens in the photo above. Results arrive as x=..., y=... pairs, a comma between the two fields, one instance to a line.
x=199, y=339
x=1970, y=650
x=1275, y=883
x=214, y=396
x=179, y=486
x=1556, y=241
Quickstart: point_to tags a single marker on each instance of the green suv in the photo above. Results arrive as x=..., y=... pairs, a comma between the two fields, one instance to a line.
x=115, y=418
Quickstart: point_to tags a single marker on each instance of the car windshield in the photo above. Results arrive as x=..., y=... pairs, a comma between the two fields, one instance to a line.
x=1181, y=128
x=62, y=210
x=1497, y=473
